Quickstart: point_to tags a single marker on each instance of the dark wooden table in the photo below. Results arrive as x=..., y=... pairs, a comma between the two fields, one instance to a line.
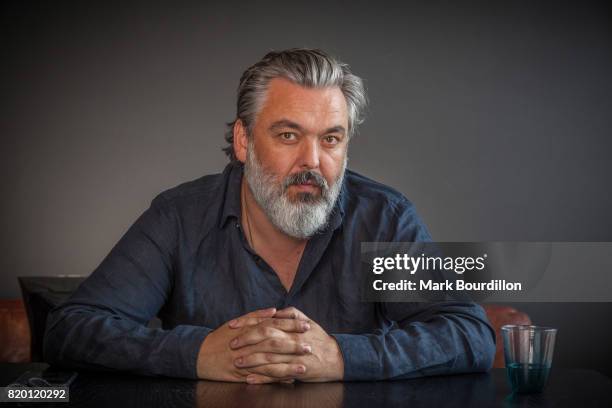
x=566, y=387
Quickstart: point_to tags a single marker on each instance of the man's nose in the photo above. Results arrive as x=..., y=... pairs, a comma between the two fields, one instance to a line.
x=309, y=155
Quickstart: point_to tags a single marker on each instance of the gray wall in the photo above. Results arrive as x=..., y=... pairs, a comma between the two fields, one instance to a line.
x=494, y=119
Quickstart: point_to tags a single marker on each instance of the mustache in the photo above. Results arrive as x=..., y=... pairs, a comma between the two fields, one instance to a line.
x=304, y=177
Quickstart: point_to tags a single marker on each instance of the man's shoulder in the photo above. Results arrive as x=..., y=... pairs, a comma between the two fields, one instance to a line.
x=362, y=190
x=200, y=193
x=202, y=186
x=383, y=213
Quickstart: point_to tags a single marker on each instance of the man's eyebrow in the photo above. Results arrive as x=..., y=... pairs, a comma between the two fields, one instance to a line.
x=285, y=123
x=336, y=129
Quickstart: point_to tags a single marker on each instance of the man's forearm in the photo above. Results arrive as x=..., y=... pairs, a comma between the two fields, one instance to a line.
x=452, y=340
x=82, y=336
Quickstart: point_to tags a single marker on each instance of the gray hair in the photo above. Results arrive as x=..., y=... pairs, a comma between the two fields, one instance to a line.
x=310, y=68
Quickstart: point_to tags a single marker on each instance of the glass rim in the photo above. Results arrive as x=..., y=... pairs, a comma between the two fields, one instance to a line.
x=530, y=327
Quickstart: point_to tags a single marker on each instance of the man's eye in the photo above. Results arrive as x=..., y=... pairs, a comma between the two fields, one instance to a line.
x=288, y=136
x=331, y=140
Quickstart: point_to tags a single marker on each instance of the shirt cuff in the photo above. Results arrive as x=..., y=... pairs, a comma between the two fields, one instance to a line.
x=361, y=361
x=187, y=341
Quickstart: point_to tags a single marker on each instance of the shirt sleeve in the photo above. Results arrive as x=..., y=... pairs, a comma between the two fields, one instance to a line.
x=419, y=339
x=103, y=325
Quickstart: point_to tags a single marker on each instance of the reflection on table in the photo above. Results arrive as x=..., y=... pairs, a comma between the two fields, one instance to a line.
x=583, y=388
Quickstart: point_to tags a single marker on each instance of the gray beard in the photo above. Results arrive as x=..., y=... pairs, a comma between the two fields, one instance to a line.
x=300, y=219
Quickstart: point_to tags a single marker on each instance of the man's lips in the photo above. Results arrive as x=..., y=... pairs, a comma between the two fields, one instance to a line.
x=307, y=186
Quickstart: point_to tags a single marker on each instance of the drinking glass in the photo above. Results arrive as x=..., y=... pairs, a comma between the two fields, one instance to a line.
x=528, y=351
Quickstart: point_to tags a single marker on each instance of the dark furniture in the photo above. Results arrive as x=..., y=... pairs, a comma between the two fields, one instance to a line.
x=582, y=388
x=14, y=332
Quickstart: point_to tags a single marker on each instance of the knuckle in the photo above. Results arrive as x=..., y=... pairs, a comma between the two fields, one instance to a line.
x=264, y=331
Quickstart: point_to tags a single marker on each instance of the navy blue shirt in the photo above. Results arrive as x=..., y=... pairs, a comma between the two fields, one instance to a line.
x=187, y=261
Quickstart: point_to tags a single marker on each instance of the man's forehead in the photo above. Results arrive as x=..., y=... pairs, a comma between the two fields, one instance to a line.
x=285, y=98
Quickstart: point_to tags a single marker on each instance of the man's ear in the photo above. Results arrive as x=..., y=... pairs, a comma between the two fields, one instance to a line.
x=240, y=141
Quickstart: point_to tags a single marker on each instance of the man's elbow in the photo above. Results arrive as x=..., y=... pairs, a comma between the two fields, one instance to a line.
x=487, y=356
x=484, y=348
x=54, y=338
x=480, y=343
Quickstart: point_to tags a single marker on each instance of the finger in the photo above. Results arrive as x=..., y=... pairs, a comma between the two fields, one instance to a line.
x=262, y=379
x=261, y=313
x=254, y=335
x=244, y=373
x=279, y=346
x=270, y=328
x=273, y=338
x=288, y=325
x=257, y=359
x=268, y=312
x=246, y=321
x=292, y=313
x=280, y=371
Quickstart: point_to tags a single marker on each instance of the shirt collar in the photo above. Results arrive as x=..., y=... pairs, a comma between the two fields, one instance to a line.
x=232, y=174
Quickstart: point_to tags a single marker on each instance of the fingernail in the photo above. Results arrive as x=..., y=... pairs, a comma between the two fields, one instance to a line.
x=300, y=369
x=234, y=342
x=239, y=361
x=251, y=379
x=233, y=323
x=305, y=326
x=306, y=348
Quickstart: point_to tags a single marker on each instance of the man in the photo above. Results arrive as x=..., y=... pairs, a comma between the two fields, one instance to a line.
x=253, y=272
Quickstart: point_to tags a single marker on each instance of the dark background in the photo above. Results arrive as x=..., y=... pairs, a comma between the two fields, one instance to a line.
x=493, y=118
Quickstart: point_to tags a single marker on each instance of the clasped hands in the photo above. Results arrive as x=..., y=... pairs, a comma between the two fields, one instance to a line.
x=267, y=346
